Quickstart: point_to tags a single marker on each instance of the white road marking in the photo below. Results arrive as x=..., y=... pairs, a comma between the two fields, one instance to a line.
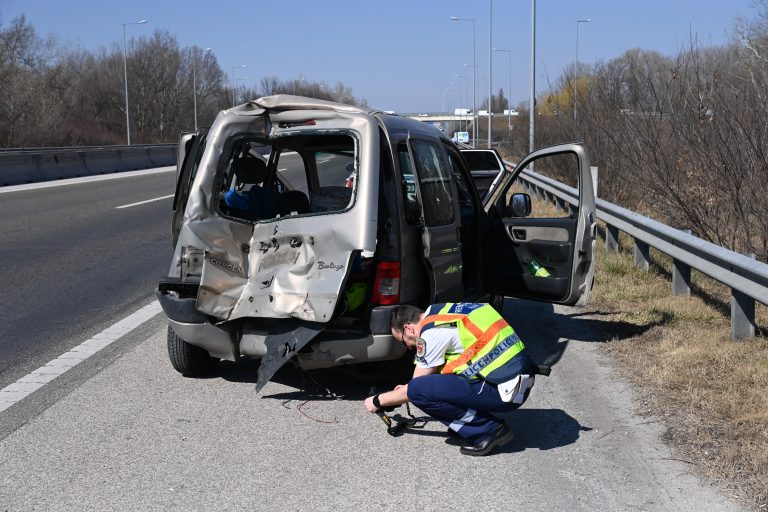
x=28, y=384
x=143, y=202
x=85, y=179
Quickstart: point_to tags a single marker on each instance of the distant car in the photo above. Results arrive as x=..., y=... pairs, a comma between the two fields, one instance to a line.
x=461, y=137
x=375, y=210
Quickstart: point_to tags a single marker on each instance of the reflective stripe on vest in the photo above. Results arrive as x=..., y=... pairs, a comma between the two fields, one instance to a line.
x=489, y=341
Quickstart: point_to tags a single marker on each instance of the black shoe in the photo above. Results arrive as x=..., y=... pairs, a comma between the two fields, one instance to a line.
x=453, y=438
x=499, y=438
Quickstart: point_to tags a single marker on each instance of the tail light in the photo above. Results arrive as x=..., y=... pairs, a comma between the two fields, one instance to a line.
x=386, y=286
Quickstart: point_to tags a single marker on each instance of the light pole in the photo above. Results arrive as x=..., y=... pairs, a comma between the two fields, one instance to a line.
x=490, y=69
x=577, y=40
x=233, y=81
x=194, y=81
x=125, y=73
x=576, y=83
x=466, y=94
x=532, y=114
x=474, y=79
x=452, y=88
x=509, y=92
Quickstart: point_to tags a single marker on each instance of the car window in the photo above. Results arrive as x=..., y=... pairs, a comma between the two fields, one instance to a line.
x=481, y=161
x=408, y=185
x=335, y=168
x=435, y=183
x=462, y=187
x=563, y=167
x=308, y=174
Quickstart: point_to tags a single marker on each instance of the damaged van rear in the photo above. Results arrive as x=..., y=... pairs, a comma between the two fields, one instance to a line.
x=299, y=224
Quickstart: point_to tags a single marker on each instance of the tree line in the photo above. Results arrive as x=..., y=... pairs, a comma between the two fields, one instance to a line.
x=51, y=95
x=682, y=138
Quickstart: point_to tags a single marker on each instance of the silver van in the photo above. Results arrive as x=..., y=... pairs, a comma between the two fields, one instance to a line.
x=299, y=224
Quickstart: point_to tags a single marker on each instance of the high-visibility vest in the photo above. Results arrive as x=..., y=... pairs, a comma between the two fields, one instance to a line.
x=492, y=350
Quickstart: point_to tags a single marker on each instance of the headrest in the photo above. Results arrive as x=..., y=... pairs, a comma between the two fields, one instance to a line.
x=250, y=169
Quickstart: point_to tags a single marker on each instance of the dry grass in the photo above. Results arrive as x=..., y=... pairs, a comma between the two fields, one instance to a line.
x=711, y=393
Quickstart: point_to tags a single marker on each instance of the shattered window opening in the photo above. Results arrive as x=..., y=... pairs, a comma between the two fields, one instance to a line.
x=298, y=174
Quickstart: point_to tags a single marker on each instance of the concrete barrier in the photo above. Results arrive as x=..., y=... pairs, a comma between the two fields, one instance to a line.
x=46, y=164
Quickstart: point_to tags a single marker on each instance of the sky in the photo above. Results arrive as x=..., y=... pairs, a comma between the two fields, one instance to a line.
x=401, y=55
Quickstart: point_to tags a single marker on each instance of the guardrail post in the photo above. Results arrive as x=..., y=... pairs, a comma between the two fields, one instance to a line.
x=742, y=314
x=681, y=276
x=611, y=239
x=642, y=258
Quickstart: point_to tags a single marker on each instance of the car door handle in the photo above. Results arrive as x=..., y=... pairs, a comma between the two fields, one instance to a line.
x=519, y=234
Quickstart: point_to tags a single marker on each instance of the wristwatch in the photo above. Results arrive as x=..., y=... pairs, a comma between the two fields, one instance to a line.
x=376, y=402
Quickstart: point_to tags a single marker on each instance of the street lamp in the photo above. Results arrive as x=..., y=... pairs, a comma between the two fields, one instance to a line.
x=125, y=73
x=532, y=113
x=577, y=40
x=466, y=94
x=452, y=89
x=509, y=92
x=490, y=69
x=194, y=81
x=576, y=84
x=474, y=79
x=233, y=81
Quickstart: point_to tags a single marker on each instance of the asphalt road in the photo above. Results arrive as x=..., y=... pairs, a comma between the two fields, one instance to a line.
x=72, y=263
x=135, y=435
x=123, y=431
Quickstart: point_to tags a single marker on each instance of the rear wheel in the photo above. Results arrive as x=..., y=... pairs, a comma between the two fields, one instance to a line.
x=188, y=360
x=497, y=301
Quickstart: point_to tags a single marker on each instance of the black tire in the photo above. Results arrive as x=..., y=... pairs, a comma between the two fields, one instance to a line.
x=188, y=360
x=497, y=302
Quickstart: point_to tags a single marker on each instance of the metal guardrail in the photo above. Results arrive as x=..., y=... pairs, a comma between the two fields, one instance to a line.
x=31, y=165
x=68, y=149
x=746, y=277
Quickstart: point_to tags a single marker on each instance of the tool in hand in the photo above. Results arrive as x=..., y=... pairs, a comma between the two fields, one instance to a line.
x=395, y=427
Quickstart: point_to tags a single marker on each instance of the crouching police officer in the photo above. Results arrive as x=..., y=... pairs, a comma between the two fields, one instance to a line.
x=469, y=364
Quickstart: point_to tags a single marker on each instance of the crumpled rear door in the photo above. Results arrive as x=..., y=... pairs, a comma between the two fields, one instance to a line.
x=293, y=266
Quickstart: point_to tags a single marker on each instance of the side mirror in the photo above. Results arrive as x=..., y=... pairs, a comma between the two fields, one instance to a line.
x=520, y=206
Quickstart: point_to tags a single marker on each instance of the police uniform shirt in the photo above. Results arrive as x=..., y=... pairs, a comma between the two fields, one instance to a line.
x=434, y=343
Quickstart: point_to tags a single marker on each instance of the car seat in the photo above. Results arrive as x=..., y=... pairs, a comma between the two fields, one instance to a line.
x=293, y=201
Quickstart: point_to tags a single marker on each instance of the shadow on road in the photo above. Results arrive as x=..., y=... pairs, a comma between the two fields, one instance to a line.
x=534, y=429
x=343, y=383
x=547, y=334
x=541, y=429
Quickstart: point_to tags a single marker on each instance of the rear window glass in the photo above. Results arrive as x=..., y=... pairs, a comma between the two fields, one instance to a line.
x=481, y=160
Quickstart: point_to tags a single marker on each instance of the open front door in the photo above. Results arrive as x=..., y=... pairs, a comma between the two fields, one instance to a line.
x=536, y=250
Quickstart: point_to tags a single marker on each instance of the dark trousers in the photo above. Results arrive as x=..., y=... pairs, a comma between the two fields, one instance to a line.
x=464, y=405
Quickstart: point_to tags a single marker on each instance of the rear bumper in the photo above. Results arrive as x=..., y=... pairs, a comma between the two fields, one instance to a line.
x=331, y=348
